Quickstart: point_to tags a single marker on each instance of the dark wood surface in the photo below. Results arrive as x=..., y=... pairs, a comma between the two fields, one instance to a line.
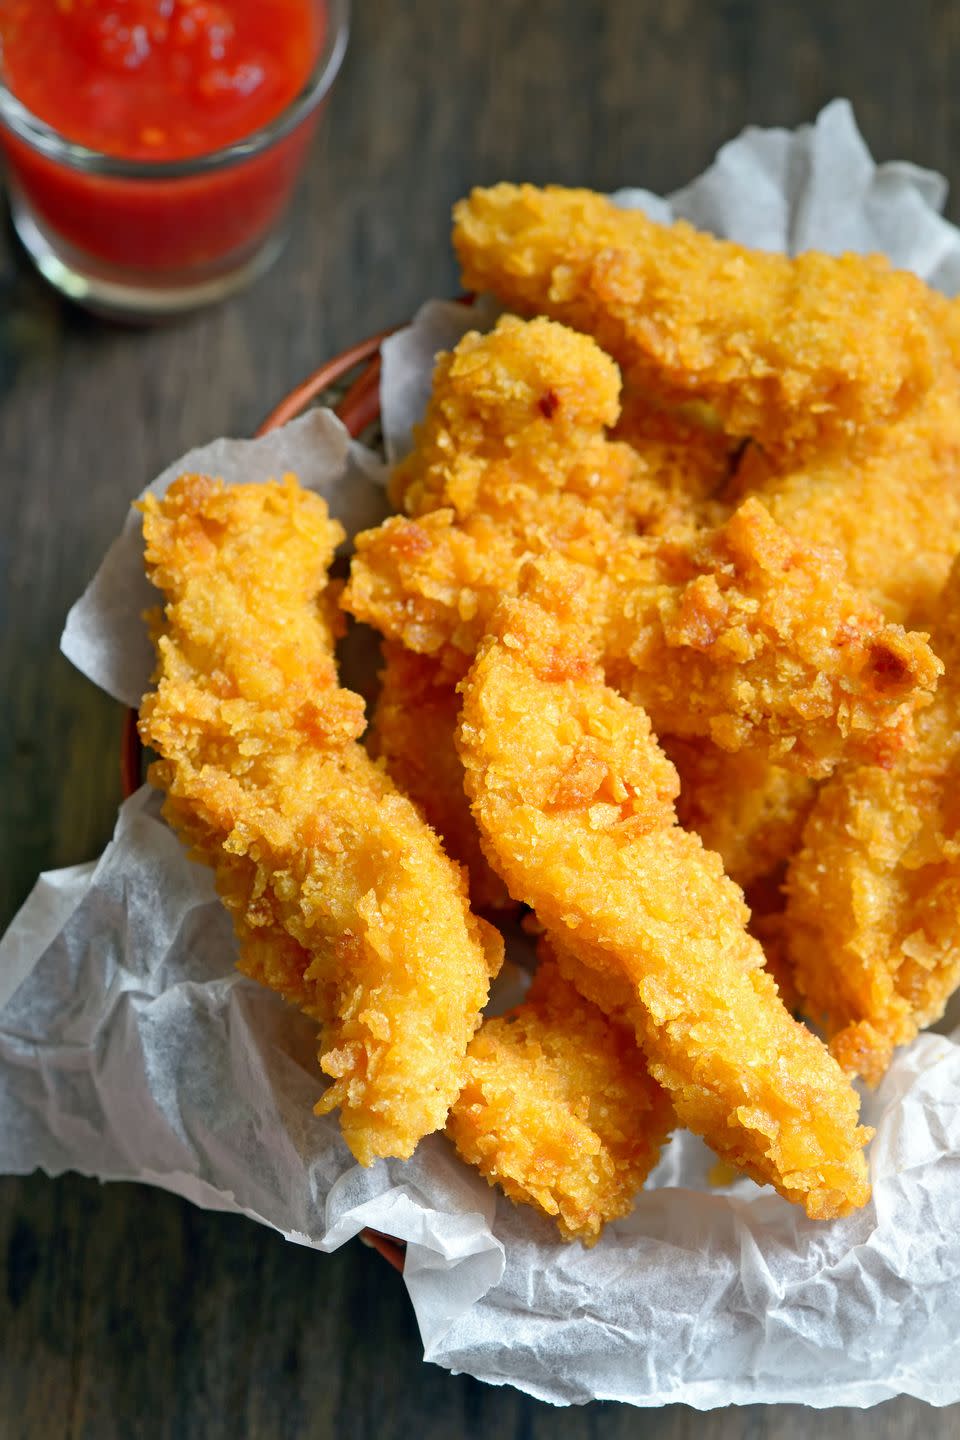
x=124, y=1311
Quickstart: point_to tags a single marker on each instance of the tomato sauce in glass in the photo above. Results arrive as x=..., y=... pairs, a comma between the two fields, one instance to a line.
x=153, y=82
x=157, y=79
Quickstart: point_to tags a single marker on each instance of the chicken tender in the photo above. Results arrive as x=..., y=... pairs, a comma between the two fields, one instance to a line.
x=757, y=642
x=512, y=459
x=341, y=895
x=874, y=894
x=558, y=1108
x=432, y=584
x=527, y=406
x=792, y=353
x=519, y=416
x=413, y=731
x=575, y=802
x=739, y=635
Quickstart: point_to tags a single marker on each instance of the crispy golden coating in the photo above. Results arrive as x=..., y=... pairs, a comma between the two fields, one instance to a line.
x=521, y=412
x=766, y=923
x=341, y=896
x=432, y=584
x=512, y=459
x=789, y=352
x=874, y=894
x=574, y=799
x=890, y=503
x=750, y=811
x=739, y=634
x=413, y=729
x=518, y=418
x=755, y=641
x=558, y=1108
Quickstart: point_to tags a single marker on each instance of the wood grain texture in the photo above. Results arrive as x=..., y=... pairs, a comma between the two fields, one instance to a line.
x=124, y=1311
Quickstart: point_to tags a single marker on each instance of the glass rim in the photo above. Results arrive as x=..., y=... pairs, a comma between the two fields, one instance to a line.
x=40, y=136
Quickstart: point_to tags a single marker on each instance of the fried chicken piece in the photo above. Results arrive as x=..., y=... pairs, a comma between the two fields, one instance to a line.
x=890, y=503
x=739, y=634
x=574, y=800
x=792, y=353
x=750, y=811
x=527, y=406
x=874, y=894
x=512, y=458
x=341, y=896
x=433, y=583
x=558, y=1108
x=518, y=418
x=413, y=731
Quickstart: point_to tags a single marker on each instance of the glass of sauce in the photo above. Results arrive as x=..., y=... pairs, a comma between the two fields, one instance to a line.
x=153, y=146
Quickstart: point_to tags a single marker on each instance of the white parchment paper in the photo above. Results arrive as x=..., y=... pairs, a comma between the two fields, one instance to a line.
x=130, y=1048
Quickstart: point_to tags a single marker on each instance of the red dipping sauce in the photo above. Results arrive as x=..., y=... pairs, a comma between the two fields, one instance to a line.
x=161, y=137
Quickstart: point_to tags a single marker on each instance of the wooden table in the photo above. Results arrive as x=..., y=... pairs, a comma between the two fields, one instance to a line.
x=125, y=1311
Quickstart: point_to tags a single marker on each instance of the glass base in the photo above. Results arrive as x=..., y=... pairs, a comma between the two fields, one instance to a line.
x=132, y=296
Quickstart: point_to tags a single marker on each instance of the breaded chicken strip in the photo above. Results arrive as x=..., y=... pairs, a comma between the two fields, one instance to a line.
x=341, y=896
x=874, y=894
x=518, y=417
x=574, y=799
x=413, y=730
x=750, y=811
x=511, y=459
x=739, y=634
x=788, y=352
x=890, y=503
x=526, y=405
x=558, y=1108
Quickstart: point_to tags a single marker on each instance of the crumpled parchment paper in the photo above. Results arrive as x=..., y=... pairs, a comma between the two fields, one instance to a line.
x=131, y=1049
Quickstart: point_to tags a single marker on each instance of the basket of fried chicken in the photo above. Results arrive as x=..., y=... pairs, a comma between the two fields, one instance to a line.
x=665, y=589
x=644, y=654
